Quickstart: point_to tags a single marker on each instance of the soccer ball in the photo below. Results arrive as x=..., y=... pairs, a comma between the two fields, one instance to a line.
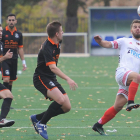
x=138, y=11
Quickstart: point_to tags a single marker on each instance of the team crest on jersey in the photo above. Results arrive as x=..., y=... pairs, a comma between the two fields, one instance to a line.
x=53, y=51
x=7, y=72
x=1, y=48
x=51, y=83
x=16, y=35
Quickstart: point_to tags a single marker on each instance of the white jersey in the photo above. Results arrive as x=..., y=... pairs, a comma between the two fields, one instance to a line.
x=129, y=56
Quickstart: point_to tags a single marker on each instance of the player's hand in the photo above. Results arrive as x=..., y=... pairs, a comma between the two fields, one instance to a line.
x=8, y=54
x=98, y=39
x=72, y=84
x=24, y=67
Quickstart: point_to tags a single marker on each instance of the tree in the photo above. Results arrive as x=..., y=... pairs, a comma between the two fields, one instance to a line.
x=72, y=23
x=8, y=5
x=106, y=2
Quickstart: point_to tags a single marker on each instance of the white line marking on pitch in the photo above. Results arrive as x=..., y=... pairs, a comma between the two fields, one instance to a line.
x=72, y=127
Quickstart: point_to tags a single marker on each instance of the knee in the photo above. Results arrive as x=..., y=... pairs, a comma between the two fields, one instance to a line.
x=138, y=79
x=67, y=108
x=8, y=94
x=118, y=108
x=7, y=80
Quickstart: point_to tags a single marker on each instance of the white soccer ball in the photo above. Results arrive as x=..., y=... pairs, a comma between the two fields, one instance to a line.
x=138, y=11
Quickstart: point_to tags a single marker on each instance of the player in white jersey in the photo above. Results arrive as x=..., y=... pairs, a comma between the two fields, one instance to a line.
x=127, y=74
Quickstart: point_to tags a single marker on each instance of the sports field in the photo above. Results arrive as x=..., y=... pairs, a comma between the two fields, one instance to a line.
x=96, y=92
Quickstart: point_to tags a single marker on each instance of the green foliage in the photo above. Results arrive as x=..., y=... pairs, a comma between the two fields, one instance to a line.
x=9, y=5
x=35, y=17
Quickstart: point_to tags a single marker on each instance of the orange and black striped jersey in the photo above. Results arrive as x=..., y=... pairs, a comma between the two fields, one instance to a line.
x=1, y=49
x=12, y=41
x=48, y=54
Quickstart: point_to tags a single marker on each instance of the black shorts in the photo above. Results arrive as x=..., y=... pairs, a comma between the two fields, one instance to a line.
x=43, y=84
x=9, y=69
x=2, y=87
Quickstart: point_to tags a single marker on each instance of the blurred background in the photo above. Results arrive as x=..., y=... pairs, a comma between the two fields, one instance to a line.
x=81, y=21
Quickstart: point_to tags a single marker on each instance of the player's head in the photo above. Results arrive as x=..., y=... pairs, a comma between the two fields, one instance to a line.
x=135, y=28
x=1, y=32
x=54, y=29
x=11, y=20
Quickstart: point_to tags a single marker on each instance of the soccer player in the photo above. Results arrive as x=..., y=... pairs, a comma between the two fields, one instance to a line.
x=127, y=73
x=12, y=39
x=45, y=81
x=5, y=93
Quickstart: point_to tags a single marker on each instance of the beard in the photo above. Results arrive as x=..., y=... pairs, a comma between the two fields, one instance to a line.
x=11, y=26
x=137, y=36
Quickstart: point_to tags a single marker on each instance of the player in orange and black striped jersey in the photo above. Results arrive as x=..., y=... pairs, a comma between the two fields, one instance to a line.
x=12, y=39
x=45, y=79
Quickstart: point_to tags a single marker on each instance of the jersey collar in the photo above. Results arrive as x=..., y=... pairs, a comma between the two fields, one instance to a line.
x=7, y=29
x=53, y=42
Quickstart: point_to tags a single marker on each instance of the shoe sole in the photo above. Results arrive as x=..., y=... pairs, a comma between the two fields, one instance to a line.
x=7, y=124
x=133, y=107
x=33, y=125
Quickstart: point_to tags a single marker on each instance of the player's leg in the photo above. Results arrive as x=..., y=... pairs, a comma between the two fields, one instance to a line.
x=59, y=101
x=133, y=81
x=110, y=114
x=58, y=104
x=7, y=97
x=5, y=69
x=13, y=73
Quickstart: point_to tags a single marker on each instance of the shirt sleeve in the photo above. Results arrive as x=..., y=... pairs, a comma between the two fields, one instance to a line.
x=48, y=55
x=116, y=44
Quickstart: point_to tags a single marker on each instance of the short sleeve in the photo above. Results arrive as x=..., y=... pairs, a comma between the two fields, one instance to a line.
x=117, y=43
x=47, y=53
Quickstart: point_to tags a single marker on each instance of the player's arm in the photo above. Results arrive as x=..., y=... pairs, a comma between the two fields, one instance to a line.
x=21, y=54
x=8, y=55
x=59, y=73
x=103, y=43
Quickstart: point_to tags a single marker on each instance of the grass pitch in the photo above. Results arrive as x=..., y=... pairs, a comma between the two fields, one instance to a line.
x=97, y=90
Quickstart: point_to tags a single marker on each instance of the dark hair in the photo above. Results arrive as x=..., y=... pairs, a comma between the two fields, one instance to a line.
x=134, y=21
x=0, y=25
x=11, y=15
x=53, y=28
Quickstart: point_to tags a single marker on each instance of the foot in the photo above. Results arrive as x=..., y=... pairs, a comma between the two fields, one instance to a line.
x=34, y=121
x=131, y=106
x=98, y=129
x=42, y=130
x=6, y=123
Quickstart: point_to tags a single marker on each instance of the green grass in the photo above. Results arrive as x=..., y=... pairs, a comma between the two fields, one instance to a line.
x=97, y=90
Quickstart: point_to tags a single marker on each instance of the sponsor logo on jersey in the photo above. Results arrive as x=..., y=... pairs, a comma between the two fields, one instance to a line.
x=51, y=83
x=134, y=53
x=16, y=35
